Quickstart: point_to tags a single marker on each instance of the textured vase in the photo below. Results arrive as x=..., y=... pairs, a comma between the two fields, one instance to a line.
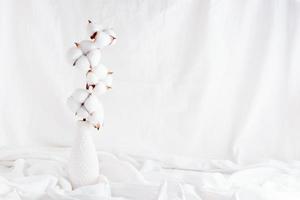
x=83, y=166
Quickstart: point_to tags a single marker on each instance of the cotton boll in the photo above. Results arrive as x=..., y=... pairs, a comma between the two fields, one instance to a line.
x=92, y=28
x=112, y=34
x=73, y=104
x=94, y=57
x=101, y=71
x=80, y=95
x=86, y=46
x=102, y=40
x=73, y=54
x=83, y=63
x=108, y=81
x=82, y=112
x=96, y=118
x=91, y=78
x=100, y=89
x=92, y=104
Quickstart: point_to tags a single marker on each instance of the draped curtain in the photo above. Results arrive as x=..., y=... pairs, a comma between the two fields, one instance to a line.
x=200, y=79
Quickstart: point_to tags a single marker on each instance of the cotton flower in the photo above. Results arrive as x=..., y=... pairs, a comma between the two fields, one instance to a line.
x=77, y=108
x=112, y=34
x=82, y=63
x=85, y=55
x=94, y=57
x=93, y=28
x=86, y=106
x=101, y=71
x=80, y=95
x=100, y=89
x=96, y=74
x=96, y=118
x=73, y=104
x=76, y=102
x=86, y=46
x=82, y=113
x=102, y=37
x=99, y=80
x=105, y=38
x=73, y=54
x=108, y=80
x=92, y=104
x=92, y=78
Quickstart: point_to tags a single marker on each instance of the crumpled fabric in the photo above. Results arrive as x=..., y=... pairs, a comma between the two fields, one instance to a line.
x=40, y=174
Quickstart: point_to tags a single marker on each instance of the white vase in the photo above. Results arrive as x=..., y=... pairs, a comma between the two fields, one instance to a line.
x=83, y=166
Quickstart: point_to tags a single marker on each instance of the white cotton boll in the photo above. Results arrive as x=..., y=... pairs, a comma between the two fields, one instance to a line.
x=94, y=57
x=91, y=78
x=108, y=81
x=83, y=63
x=73, y=54
x=92, y=28
x=82, y=112
x=100, y=89
x=96, y=117
x=101, y=71
x=86, y=46
x=102, y=40
x=80, y=95
x=73, y=104
x=112, y=34
x=92, y=104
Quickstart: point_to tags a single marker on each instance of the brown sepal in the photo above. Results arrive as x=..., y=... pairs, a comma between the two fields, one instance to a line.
x=94, y=35
x=112, y=39
x=97, y=126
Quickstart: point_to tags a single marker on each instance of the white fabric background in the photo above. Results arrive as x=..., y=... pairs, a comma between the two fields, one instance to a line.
x=202, y=79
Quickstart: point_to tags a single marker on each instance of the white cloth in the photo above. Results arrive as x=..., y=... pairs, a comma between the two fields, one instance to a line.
x=203, y=79
x=40, y=174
